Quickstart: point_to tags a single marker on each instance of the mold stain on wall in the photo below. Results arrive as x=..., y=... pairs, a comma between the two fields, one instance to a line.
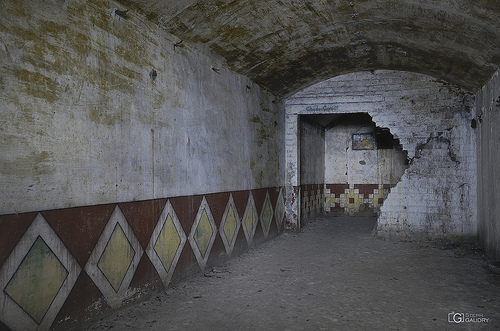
x=38, y=85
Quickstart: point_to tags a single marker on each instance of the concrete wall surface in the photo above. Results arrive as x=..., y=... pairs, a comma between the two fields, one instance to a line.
x=312, y=153
x=436, y=195
x=128, y=161
x=488, y=121
x=86, y=121
x=312, y=168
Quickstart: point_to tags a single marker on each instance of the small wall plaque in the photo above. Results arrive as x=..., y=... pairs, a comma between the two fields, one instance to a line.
x=362, y=141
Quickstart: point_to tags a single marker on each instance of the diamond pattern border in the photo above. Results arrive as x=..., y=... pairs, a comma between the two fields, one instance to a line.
x=10, y=312
x=202, y=259
x=166, y=275
x=280, y=210
x=266, y=215
x=114, y=298
x=202, y=238
x=250, y=211
x=229, y=242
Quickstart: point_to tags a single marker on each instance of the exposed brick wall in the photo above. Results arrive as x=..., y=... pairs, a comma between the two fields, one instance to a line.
x=436, y=196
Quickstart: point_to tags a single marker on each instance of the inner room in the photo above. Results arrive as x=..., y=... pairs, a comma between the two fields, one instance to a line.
x=362, y=163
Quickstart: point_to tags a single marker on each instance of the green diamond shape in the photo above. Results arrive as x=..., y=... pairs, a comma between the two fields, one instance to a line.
x=116, y=258
x=203, y=233
x=167, y=243
x=250, y=221
x=37, y=280
x=267, y=214
x=230, y=225
x=279, y=213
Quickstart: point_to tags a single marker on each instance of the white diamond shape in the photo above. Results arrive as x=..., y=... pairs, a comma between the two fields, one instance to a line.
x=280, y=210
x=10, y=313
x=202, y=260
x=250, y=209
x=267, y=202
x=229, y=242
x=113, y=298
x=166, y=275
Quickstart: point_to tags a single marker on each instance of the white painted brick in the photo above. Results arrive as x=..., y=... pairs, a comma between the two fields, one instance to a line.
x=437, y=121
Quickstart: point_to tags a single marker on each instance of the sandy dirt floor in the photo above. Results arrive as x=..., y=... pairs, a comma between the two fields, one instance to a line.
x=334, y=275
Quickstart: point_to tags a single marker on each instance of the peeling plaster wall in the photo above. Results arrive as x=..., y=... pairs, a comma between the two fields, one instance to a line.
x=84, y=122
x=488, y=121
x=436, y=196
x=292, y=172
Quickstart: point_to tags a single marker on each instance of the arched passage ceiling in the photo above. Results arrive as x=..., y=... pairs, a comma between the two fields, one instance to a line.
x=286, y=45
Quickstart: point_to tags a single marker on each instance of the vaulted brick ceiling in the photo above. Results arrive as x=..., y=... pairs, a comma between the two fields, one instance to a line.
x=286, y=45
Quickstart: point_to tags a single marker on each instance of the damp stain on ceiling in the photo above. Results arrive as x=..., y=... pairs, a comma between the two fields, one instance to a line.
x=287, y=45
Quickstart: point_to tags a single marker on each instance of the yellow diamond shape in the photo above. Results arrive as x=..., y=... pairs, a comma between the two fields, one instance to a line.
x=266, y=215
x=167, y=243
x=230, y=225
x=203, y=233
x=250, y=221
x=116, y=258
x=37, y=280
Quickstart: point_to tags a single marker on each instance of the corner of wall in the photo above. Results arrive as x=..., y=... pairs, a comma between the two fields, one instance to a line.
x=488, y=173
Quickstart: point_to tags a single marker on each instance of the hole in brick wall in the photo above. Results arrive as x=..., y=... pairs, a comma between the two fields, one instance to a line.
x=362, y=162
x=385, y=139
